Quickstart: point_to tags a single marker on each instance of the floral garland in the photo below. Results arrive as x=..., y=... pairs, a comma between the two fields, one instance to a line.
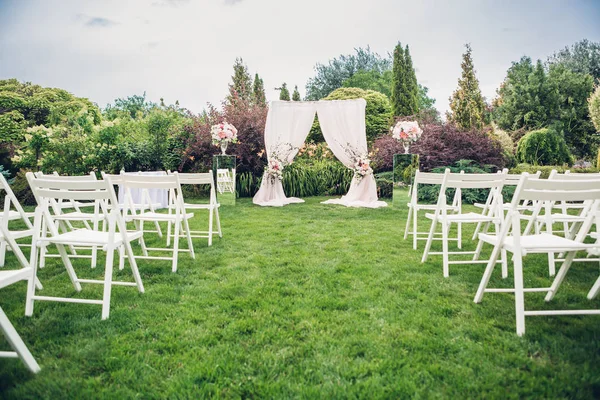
x=223, y=132
x=275, y=166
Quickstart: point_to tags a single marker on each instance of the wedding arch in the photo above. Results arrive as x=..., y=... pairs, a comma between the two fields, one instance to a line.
x=343, y=126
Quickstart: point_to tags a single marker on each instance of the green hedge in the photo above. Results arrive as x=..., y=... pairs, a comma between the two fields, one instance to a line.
x=546, y=169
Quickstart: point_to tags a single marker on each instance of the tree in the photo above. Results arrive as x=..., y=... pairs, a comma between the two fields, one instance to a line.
x=573, y=117
x=404, y=85
x=332, y=75
x=260, y=98
x=582, y=57
x=284, y=93
x=136, y=106
x=594, y=108
x=371, y=80
x=526, y=99
x=241, y=86
x=296, y=94
x=466, y=103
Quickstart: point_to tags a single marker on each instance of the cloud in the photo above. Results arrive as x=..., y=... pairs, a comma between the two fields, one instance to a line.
x=170, y=3
x=96, y=22
x=232, y=2
x=152, y=45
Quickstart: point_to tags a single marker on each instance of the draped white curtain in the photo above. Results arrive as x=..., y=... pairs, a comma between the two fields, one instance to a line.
x=288, y=125
x=343, y=126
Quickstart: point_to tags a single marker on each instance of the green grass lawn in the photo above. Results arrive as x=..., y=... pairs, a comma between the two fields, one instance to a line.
x=304, y=301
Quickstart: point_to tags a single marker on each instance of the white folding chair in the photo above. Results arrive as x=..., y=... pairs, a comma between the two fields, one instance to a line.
x=12, y=211
x=513, y=239
x=139, y=201
x=14, y=340
x=48, y=190
x=179, y=216
x=225, y=183
x=68, y=213
x=201, y=179
x=423, y=178
x=492, y=216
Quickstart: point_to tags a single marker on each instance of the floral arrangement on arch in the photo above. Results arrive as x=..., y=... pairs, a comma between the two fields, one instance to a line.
x=406, y=132
x=274, y=170
x=223, y=132
x=275, y=166
x=362, y=167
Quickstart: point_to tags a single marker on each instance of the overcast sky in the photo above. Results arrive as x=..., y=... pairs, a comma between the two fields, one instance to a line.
x=184, y=49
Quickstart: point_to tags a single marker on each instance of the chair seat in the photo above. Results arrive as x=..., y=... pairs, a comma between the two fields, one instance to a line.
x=86, y=237
x=78, y=216
x=154, y=216
x=18, y=234
x=431, y=207
x=12, y=276
x=470, y=217
x=541, y=243
x=14, y=215
x=559, y=217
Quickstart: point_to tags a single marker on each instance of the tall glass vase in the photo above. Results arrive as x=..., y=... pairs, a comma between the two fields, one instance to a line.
x=224, y=147
x=406, y=146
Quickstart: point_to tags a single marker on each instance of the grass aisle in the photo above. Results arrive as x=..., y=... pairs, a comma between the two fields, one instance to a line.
x=305, y=301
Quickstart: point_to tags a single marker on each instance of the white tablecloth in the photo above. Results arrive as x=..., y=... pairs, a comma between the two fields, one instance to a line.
x=159, y=197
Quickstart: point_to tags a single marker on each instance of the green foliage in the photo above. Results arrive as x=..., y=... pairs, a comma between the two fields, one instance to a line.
x=547, y=169
x=333, y=75
x=531, y=98
x=594, y=108
x=259, y=91
x=378, y=109
x=543, y=147
x=573, y=114
x=6, y=174
x=241, y=86
x=582, y=57
x=135, y=106
x=371, y=80
x=296, y=94
x=405, y=92
x=466, y=104
x=284, y=93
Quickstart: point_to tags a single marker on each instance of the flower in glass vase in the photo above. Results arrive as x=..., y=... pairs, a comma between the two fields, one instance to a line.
x=406, y=132
x=362, y=167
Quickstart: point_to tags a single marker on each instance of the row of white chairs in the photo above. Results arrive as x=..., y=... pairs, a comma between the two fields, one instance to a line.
x=82, y=213
x=523, y=226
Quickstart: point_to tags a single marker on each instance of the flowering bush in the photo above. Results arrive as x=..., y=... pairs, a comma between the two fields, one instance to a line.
x=223, y=132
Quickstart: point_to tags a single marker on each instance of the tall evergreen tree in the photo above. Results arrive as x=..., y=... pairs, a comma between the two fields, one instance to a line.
x=241, y=85
x=296, y=94
x=467, y=103
x=405, y=91
x=284, y=93
x=260, y=98
x=412, y=88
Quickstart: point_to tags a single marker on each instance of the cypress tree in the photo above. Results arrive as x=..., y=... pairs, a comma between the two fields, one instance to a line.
x=296, y=94
x=467, y=104
x=284, y=93
x=405, y=91
x=412, y=88
x=260, y=98
x=241, y=85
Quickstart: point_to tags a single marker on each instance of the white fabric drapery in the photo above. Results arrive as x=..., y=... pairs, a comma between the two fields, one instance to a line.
x=343, y=126
x=288, y=125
